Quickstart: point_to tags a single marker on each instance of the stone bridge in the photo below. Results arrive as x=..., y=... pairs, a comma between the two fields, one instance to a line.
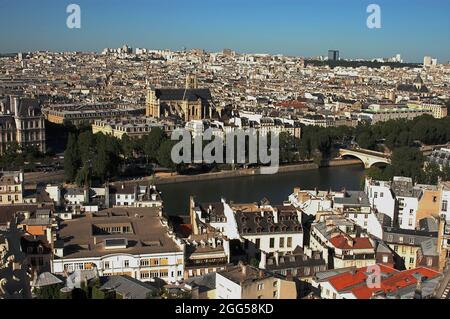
x=368, y=157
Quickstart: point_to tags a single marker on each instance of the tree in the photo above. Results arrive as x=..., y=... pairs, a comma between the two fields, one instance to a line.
x=71, y=158
x=83, y=175
x=407, y=161
x=287, y=148
x=164, y=156
x=431, y=175
x=87, y=146
x=152, y=143
x=445, y=174
x=128, y=146
x=366, y=140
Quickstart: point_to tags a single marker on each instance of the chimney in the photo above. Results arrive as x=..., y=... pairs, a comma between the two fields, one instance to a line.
x=441, y=252
x=350, y=241
x=275, y=216
x=193, y=216
x=48, y=233
x=261, y=274
x=14, y=100
x=244, y=270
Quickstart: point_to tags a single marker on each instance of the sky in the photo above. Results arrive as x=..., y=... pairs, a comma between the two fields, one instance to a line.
x=413, y=28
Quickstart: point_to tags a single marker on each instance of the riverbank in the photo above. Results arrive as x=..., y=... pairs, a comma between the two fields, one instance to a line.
x=254, y=188
x=172, y=179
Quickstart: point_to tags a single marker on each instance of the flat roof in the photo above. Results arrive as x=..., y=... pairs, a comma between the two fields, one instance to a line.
x=147, y=235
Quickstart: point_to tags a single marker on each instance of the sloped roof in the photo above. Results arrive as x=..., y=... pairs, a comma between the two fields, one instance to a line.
x=46, y=279
x=128, y=287
x=183, y=94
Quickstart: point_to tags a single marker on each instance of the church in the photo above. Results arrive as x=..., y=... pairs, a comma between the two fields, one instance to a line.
x=416, y=88
x=189, y=103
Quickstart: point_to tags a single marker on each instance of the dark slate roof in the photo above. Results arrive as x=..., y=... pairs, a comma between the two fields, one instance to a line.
x=410, y=237
x=212, y=211
x=412, y=88
x=353, y=198
x=429, y=224
x=256, y=222
x=429, y=247
x=128, y=287
x=46, y=279
x=204, y=283
x=183, y=94
x=26, y=104
x=297, y=260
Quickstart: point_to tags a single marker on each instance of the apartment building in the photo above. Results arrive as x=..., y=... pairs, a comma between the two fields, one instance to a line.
x=135, y=195
x=381, y=197
x=378, y=282
x=78, y=114
x=133, y=127
x=385, y=115
x=407, y=197
x=205, y=253
x=247, y=282
x=355, y=206
x=302, y=263
x=312, y=201
x=406, y=244
x=11, y=188
x=438, y=110
x=22, y=122
x=268, y=230
x=132, y=241
x=341, y=241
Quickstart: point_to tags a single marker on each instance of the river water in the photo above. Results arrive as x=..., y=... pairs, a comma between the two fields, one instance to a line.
x=276, y=187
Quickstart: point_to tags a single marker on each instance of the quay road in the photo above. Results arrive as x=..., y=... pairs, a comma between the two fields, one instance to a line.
x=55, y=177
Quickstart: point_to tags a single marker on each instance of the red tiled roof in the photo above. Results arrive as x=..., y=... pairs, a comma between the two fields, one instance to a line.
x=341, y=242
x=348, y=279
x=393, y=283
x=356, y=282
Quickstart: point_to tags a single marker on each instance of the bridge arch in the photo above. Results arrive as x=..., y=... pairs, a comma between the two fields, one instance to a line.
x=368, y=158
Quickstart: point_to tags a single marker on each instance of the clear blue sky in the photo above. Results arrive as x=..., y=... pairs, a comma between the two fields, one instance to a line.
x=413, y=28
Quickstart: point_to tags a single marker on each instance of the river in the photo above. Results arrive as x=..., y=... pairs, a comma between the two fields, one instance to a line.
x=254, y=188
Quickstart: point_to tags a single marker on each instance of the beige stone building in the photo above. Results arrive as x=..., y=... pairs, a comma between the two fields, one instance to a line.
x=189, y=103
x=134, y=127
x=11, y=188
x=21, y=122
x=429, y=203
x=247, y=282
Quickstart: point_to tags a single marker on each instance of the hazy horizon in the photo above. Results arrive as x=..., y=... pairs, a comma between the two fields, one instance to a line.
x=305, y=28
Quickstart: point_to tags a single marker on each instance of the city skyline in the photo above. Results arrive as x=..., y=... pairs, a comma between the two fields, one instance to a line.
x=298, y=28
